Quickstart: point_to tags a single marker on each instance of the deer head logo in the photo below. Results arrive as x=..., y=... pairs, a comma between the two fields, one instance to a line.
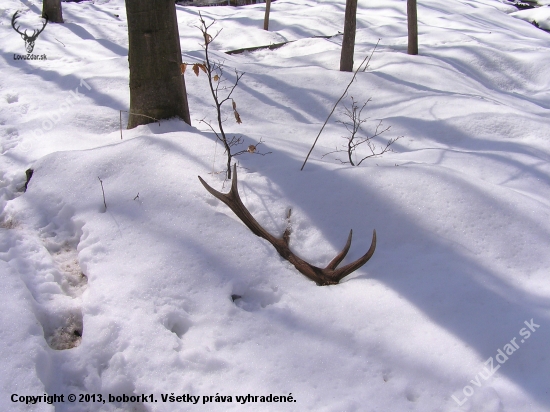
x=29, y=40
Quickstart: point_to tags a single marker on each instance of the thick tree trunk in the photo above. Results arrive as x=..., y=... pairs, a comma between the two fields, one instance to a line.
x=413, y=27
x=157, y=88
x=51, y=9
x=266, y=17
x=348, y=43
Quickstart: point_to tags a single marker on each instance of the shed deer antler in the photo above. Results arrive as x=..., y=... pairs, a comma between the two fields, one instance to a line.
x=327, y=276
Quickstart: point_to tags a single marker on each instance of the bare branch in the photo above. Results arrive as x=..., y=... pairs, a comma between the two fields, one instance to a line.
x=354, y=114
x=338, y=101
x=253, y=149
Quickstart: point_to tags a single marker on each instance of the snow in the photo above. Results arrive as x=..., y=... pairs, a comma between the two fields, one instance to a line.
x=461, y=209
x=541, y=15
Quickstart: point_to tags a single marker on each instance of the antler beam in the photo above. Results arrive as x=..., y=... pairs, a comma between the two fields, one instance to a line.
x=327, y=276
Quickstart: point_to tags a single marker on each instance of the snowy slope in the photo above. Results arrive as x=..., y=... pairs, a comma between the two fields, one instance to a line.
x=539, y=15
x=461, y=210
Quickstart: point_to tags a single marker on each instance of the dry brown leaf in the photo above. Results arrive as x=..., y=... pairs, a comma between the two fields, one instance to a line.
x=234, y=104
x=207, y=38
x=183, y=67
x=251, y=148
x=216, y=77
x=237, y=117
x=202, y=67
x=196, y=69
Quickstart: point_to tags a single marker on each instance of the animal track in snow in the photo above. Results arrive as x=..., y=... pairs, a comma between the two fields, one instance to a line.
x=10, y=139
x=254, y=298
x=61, y=243
x=177, y=322
x=47, y=262
x=12, y=98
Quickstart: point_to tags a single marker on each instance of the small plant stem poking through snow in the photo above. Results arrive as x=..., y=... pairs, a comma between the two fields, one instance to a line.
x=354, y=114
x=367, y=60
x=103, y=191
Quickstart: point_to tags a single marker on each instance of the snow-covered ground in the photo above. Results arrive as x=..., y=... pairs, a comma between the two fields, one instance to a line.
x=452, y=313
x=540, y=16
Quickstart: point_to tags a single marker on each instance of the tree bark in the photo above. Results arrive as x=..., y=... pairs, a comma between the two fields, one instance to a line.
x=157, y=87
x=413, y=27
x=266, y=18
x=51, y=9
x=348, y=43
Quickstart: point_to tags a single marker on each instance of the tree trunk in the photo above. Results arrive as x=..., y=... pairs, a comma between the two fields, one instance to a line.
x=266, y=18
x=413, y=27
x=348, y=43
x=157, y=87
x=51, y=9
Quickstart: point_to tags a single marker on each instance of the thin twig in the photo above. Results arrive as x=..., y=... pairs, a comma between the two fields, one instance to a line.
x=341, y=97
x=354, y=114
x=104, y=202
x=135, y=114
x=252, y=149
x=214, y=160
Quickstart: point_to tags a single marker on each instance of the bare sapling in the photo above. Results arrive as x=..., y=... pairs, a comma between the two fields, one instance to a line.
x=222, y=92
x=364, y=65
x=354, y=139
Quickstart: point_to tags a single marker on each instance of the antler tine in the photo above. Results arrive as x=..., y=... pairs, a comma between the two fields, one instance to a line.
x=353, y=266
x=340, y=256
x=233, y=201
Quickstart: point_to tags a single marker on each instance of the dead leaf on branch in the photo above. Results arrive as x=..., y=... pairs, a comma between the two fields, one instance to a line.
x=237, y=117
x=183, y=67
x=196, y=68
x=234, y=104
x=216, y=77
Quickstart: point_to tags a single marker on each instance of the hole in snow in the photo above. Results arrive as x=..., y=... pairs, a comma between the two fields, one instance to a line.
x=176, y=323
x=68, y=336
x=256, y=299
x=12, y=98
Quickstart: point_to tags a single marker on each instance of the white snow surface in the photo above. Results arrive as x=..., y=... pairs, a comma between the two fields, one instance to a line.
x=461, y=209
x=540, y=15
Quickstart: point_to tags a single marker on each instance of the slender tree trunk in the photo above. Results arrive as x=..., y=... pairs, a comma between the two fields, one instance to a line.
x=51, y=9
x=413, y=27
x=348, y=43
x=266, y=18
x=157, y=88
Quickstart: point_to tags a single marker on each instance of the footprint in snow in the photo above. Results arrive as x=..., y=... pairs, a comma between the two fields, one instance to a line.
x=47, y=263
